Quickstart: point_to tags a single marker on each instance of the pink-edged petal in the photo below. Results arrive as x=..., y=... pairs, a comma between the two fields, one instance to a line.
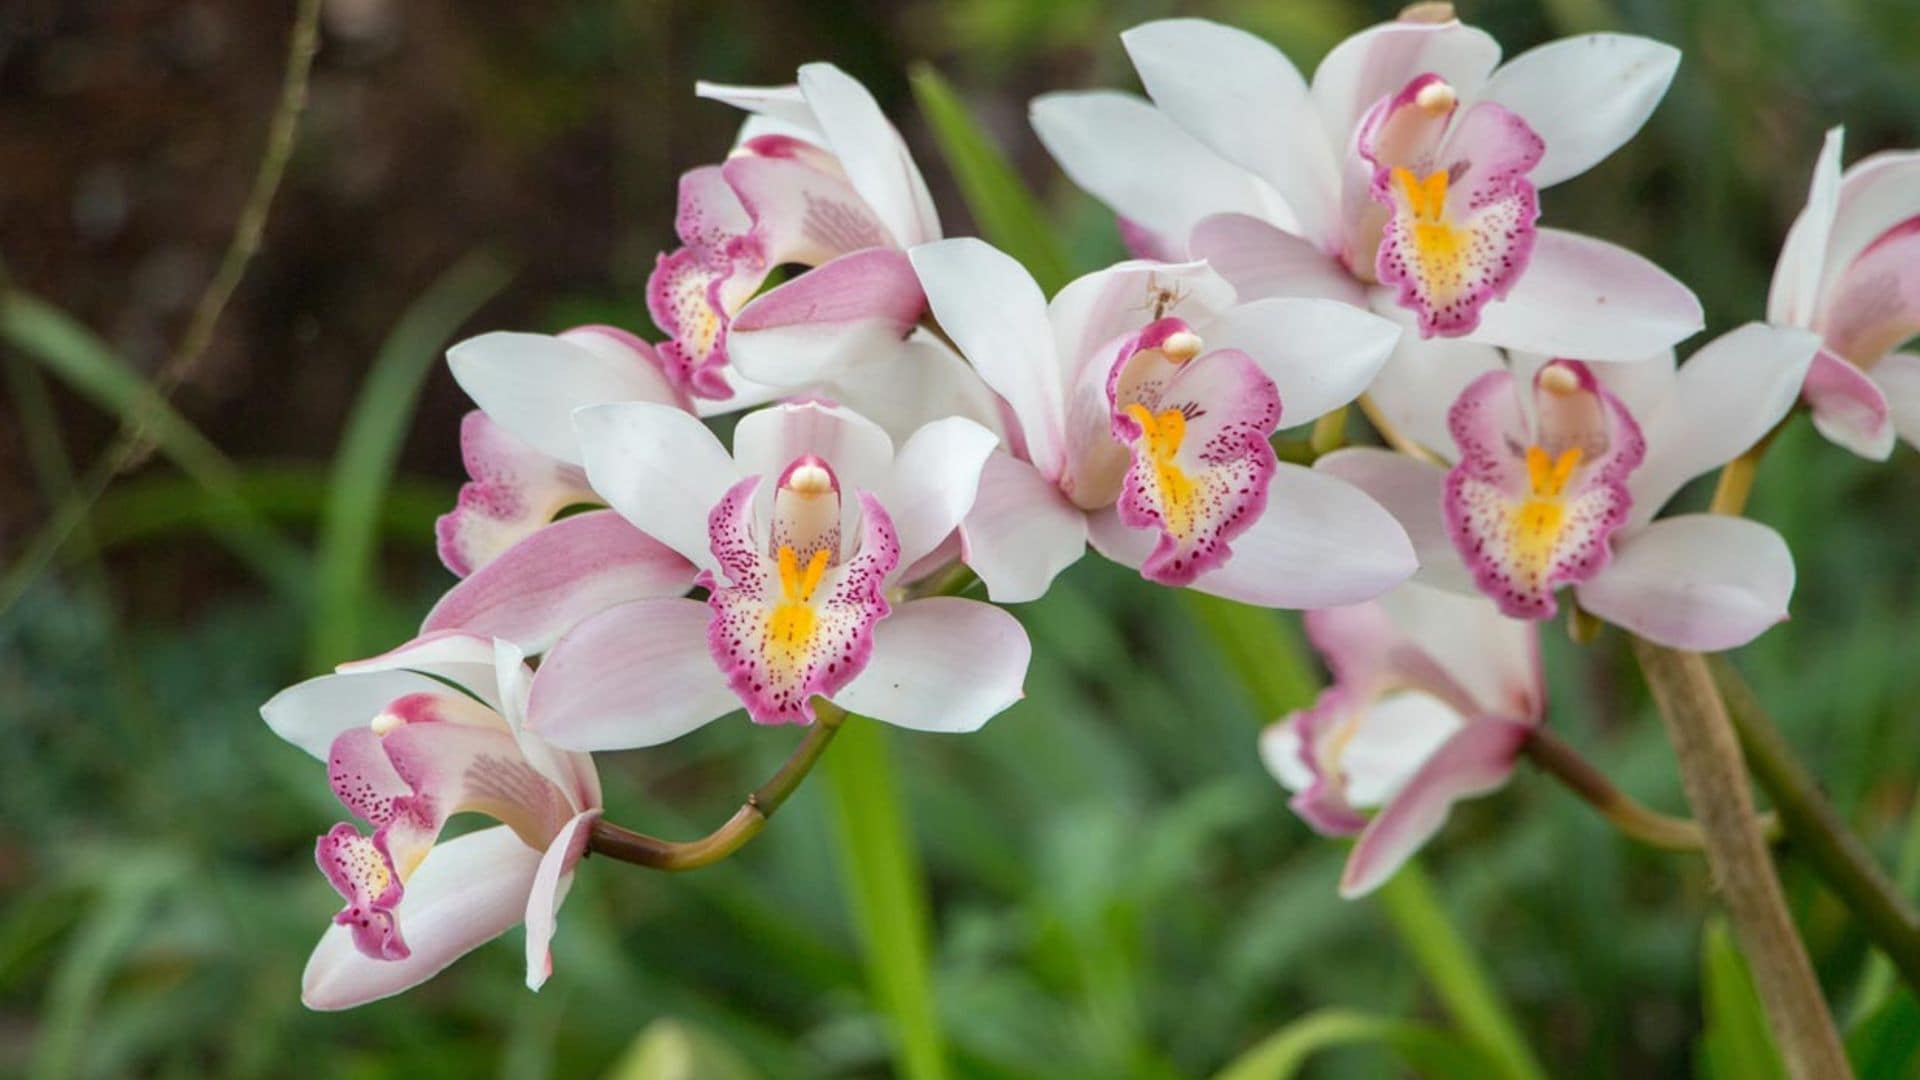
x=529, y=384
x=1222, y=85
x=1726, y=398
x=1585, y=299
x=1876, y=194
x=515, y=490
x=1794, y=297
x=311, y=714
x=694, y=291
x=1280, y=747
x=1491, y=659
x=1898, y=375
x=990, y=307
x=802, y=208
x=1585, y=95
x=1320, y=354
x=1321, y=799
x=634, y=675
x=661, y=468
x=572, y=773
x=1021, y=531
x=1399, y=731
x=1423, y=376
x=1261, y=260
x=815, y=326
x=1460, y=227
x=872, y=152
x=1532, y=509
x=556, y=577
x=1874, y=306
x=1849, y=408
x=459, y=657
x=1381, y=59
x=1320, y=542
x=1146, y=168
x=1476, y=760
x=468, y=891
x=1698, y=581
x=1413, y=492
x=941, y=664
x=933, y=483
x=1200, y=456
x=783, y=633
x=854, y=447
x=551, y=881
x=1090, y=312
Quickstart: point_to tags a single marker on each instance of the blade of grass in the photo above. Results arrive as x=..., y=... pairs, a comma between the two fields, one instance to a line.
x=1736, y=1044
x=1261, y=649
x=1429, y=1050
x=363, y=467
x=1876, y=983
x=165, y=506
x=73, y=354
x=886, y=890
x=1004, y=210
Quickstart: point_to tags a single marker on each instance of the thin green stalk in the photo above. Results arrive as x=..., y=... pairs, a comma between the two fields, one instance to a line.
x=1429, y=1050
x=1262, y=650
x=1876, y=983
x=887, y=889
x=1818, y=833
x=1450, y=967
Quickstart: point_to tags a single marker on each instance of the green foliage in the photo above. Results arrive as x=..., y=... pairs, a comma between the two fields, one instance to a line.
x=1736, y=1042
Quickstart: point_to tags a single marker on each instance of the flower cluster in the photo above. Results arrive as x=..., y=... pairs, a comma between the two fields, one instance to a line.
x=918, y=416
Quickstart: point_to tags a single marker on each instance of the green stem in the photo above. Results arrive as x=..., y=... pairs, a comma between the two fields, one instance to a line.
x=1329, y=432
x=1877, y=981
x=886, y=888
x=1448, y=963
x=1819, y=834
x=1715, y=779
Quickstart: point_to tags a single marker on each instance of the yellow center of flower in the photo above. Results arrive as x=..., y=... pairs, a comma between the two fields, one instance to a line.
x=1537, y=522
x=1162, y=433
x=1441, y=248
x=790, y=625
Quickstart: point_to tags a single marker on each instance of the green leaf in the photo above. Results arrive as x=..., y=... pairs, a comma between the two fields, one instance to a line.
x=1886, y=1044
x=1736, y=1044
x=363, y=467
x=1264, y=651
x=163, y=505
x=1428, y=1050
x=669, y=1049
x=887, y=890
x=1006, y=213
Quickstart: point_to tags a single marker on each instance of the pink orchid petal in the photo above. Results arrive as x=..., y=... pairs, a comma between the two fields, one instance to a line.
x=801, y=206
x=1899, y=377
x=515, y=490
x=468, y=891
x=1092, y=311
x=812, y=327
x=1021, y=531
x=1383, y=58
x=551, y=881
x=1261, y=261
x=933, y=483
x=1585, y=299
x=1703, y=582
x=997, y=317
x=1146, y=168
x=572, y=773
x=1849, y=408
x=571, y=569
x=464, y=659
x=1794, y=297
x=778, y=649
x=1874, y=306
x=529, y=384
x=872, y=152
x=661, y=468
x=1413, y=492
x=942, y=664
x=1585, y=95
x=1476, y=760
x=1320, y=542
x=359, y=870
x=635, y=675
x=1879, y=192
x=1219, y=83
x=1320, y=354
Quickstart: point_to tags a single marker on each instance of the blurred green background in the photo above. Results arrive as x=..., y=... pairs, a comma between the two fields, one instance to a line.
x=1116, y=887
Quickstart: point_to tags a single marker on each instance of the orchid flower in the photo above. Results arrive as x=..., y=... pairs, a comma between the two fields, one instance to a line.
x=819, y=178
x=1559, y=468
x=802, y=535
x=437, y=727
x=1434, y=694
x=1850, y=272
x=528, y=574
x=1142, y=400
x=1405, y=178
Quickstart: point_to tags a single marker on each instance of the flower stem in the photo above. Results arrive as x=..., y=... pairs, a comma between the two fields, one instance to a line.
x=1393, y=436
x=1735, y=485
x=1329, y=432
x=617, y=842
x=1716, y=783
x=1818, y=833
x=1632, y=817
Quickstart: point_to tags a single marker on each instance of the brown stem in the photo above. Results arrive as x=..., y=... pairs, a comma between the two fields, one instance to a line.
x=626, y=845
x=1715, y=779
x=1632, y=817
